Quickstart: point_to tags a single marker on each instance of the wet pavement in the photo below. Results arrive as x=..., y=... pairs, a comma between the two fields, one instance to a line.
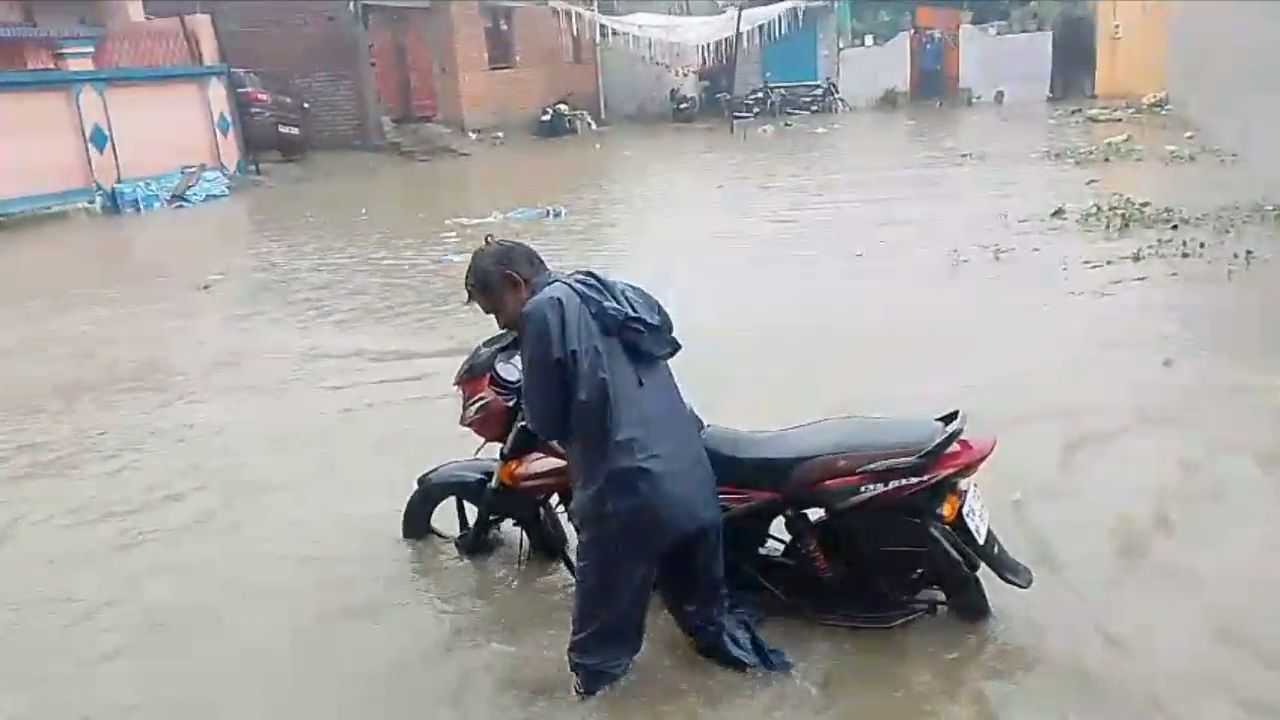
x=210, y=419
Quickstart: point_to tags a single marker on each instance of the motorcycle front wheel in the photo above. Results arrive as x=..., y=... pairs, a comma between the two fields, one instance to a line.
x=448, y=511
x=427, y=511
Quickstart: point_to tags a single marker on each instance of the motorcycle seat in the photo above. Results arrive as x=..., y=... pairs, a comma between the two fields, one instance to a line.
x=768, y=459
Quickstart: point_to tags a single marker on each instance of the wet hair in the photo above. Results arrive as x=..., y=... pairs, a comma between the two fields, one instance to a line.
x=494, y=259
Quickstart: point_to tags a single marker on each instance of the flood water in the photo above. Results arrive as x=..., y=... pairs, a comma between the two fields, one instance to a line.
x=210, y=420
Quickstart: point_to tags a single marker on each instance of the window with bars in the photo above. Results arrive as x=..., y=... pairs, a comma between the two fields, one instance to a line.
x=500, y=36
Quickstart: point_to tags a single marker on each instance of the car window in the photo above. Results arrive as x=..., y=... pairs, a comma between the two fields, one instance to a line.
x=245, y=79
x=276, y=85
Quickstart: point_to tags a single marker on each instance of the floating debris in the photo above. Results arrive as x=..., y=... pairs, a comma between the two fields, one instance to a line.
x=1177, y=154
x=1120, y=139
x=1121, y=212
x=211, y=280
x=1106, y=115
x=1116, y=147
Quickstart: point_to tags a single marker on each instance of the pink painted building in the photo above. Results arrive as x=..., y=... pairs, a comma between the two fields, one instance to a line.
x=93, y=94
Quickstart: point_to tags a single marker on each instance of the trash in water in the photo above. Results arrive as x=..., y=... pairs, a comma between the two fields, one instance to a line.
x=520, y=213
x=1104, y=115
x=494, y=217
x=211, y=280
x=1175, y=153
x=1156, y=101
x=1119, y=212
x=550, y=212
x=178, y=189
x=1116, y=147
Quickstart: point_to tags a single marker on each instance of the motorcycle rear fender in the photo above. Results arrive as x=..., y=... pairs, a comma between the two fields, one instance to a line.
x=963, y=546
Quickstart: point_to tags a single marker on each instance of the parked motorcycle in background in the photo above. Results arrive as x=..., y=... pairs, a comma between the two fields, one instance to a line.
x=811, y=99
x=560, y=118
x=853, y=521
x=758, y=101
x=684, y=107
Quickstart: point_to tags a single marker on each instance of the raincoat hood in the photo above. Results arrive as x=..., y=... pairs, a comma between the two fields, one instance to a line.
x=625, y=312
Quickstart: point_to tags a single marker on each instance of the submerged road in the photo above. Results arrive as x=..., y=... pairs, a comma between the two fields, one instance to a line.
x=210, y=419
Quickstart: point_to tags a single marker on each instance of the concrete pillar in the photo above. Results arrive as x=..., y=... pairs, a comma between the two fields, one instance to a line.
x=113, y=13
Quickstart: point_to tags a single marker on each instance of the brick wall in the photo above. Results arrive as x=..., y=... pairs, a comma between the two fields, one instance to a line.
x=543, y=71
x=316, y=44
x=403, y=66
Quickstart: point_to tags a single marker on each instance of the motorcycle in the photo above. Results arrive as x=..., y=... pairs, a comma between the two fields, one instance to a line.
x=560, y=118
x=823, y=98
x=853, y=521
x=757, y=102
x=684, y=108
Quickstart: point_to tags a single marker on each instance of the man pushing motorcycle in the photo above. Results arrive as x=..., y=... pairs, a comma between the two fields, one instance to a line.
x=596, y=380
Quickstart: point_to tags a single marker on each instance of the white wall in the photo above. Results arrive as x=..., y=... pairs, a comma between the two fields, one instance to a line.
x=750, y=69
x=828, y=42
x=1020, y=64
x=1222, y=75
x=636, y=89
x=866, y=72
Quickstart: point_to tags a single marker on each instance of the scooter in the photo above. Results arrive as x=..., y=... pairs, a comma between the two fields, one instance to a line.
x=560, y=118
x=859, y=522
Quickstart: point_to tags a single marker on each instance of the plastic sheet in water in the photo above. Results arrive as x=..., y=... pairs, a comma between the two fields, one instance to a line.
x=146, y=195
x=548, y=212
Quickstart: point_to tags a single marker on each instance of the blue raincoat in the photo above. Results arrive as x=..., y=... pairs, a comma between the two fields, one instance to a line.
x=596, y=379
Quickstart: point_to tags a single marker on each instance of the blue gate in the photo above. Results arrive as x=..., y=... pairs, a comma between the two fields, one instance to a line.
x=794, y=56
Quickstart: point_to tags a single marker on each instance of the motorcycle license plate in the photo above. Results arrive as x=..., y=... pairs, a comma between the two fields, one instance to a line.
x=289, y=129
x=976, y=515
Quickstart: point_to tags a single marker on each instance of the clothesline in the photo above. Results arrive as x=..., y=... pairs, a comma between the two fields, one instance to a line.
x=682, y=41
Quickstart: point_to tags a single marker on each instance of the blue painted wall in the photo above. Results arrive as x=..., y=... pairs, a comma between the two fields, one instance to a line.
x=794, y=56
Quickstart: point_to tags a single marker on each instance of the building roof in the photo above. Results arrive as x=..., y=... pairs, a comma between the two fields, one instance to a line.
x=31, y=32
x=398, y=3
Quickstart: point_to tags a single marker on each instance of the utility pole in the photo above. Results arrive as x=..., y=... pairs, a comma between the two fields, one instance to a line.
x=595, y=42
x=733, y=71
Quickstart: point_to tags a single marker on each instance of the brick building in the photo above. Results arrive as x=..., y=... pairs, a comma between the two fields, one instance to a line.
x=319, y=45
x=477, y=63
x=465, y=63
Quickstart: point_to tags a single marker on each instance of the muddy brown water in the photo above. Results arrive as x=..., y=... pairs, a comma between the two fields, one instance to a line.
x=210, y=419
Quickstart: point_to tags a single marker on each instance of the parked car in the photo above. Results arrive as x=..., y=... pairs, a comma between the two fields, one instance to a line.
x=273, y=115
